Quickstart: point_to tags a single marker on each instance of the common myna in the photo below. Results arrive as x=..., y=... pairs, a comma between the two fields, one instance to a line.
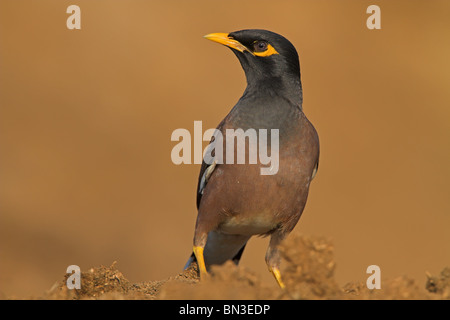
x=235, y=201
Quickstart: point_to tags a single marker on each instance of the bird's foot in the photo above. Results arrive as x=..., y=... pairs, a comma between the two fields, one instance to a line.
x=277, y=275
x=198, y=251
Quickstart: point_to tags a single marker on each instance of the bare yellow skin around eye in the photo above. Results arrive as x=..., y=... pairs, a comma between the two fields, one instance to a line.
x=269, y=51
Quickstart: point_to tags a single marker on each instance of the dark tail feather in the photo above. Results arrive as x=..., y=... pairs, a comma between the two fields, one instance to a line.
x=238, y=256
x=235, y=259
x=190, y=260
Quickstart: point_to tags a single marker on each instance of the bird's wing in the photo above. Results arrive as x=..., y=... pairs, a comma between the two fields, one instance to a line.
x=314, y=138
x=206, y=171
x=316, y=167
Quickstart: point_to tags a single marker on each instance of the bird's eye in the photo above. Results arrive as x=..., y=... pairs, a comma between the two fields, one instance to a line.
x=260, y=46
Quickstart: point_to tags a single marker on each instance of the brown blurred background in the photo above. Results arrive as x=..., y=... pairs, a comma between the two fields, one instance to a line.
x=86, y=117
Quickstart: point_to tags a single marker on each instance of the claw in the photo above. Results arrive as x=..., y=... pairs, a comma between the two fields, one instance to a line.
x=277, y=275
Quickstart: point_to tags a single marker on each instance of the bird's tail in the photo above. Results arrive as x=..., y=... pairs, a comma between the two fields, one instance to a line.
x=235, y=259
x=190, y=261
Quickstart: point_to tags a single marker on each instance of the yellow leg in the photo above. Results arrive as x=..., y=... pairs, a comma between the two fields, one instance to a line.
x=198, y=251
x=277, y=275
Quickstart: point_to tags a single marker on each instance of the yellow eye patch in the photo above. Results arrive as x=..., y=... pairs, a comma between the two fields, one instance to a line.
x=268, y=52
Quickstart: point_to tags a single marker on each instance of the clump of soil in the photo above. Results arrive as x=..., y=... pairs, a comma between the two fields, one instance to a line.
x=440, y=284
x=109, y=283
x=224, y=282
x=97, y=283
x=307, y=269
x=399, y=288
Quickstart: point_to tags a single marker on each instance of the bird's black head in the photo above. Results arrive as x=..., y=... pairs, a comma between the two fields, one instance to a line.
x=267, y=58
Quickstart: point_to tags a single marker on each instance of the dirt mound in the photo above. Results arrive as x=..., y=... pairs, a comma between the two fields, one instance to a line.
x=441, y=284
x=307, y=268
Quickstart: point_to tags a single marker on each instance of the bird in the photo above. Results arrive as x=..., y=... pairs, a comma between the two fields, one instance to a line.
x=234, y=200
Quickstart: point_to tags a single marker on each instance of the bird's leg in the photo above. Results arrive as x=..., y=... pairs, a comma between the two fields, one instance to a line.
x=198, y=251
x=273, y=257
x=199, y=246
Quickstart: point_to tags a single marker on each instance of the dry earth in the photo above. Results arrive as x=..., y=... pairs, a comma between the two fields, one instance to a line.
x=308, y=266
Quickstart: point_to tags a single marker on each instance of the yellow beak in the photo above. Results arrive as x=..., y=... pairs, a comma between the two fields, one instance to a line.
x=224, y=39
